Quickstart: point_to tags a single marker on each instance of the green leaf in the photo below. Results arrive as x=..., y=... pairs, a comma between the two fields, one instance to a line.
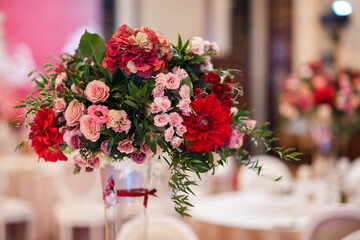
x=133, y=89
x=211, y=157
x=107, y=132
x=20, y=106
x=179, y=42
x=144, y=90
x=92, y=46
x=153, y=146
x=131, y=104
x=160, y=141
x=39, y=84
x=187, y=81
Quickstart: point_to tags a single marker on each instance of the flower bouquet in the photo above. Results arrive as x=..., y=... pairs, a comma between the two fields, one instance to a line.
x=138, y=97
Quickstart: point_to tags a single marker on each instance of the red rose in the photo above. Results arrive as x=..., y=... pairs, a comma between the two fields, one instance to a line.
x=208, y=127
x=140, y=51
x=325, y=95
x=227, y=101
x=219, y=90
x=199, y=92
x=212, y=77
x=44, y=135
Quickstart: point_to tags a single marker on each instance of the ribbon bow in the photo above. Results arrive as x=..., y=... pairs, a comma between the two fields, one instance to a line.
x=137, y=192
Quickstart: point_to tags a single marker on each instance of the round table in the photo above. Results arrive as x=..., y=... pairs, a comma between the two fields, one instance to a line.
x=249, y=215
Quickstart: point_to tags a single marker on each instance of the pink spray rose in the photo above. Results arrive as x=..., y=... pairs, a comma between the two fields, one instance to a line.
x=169, y=133
x=125, y=146
x=197, y=46
x=181, y=73
x=163, y=102
x=176, y=142
x=72, y=138
x=99, y=113
x=59, y=105
x=97, y=91
x=184, y=91
x=74, y=112
x=161, y=120
x=158, y=92
x=89, y=128
x=59, y=82
x=184, y=104
x=116, y=120
x=235, y=140
x=154, y=108
x=180, y=130
x=125, y=125
x=145, y=149
x=94, y=162
x=138, y=157
x=104, y=147
x=172, y=81
x=175, y=119
x=250, y=124
x=80, y=160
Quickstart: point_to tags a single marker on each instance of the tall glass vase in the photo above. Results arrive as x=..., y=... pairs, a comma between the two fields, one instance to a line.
x=126, y=188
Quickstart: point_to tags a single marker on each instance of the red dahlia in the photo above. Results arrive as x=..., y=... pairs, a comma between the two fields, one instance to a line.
x=44, y=135
x=208, y=127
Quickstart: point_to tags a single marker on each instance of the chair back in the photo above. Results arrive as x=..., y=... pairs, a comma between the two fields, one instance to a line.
x=160, y=227
x=80, y=188
x=3, y=181
x=333, y=225
x=272, y=168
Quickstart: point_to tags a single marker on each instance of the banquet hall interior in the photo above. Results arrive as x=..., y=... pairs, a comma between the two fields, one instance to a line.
x=300, y=71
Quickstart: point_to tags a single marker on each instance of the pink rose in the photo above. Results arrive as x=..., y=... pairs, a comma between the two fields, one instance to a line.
x=160, y=80
x=197, y=46
x=169, y=133
x=99, y=113
x=184, y=103
x=94, y=162
x=59, y=105
x=180, y=130
x=235, y=140
x=207, y=65
x=89, y=128
x=116, y=118
x=74, y=88
x=215, y=47
x=72, y=138
x=59, y=82
x=158, y=92
x=186, y=111
x=104, y=147
x=125, y=146
x=176, y=142
x=74, y=112
x=154, y=108
x=97, y=91
x=161, y=120
x=181, y=73
x=250, y=124
x=184, y=91
x=172, y=81
x=163, y=102
x=125, y=125
x=175, y=119
x=145, y=149
x=138, y=157
x=80, y=160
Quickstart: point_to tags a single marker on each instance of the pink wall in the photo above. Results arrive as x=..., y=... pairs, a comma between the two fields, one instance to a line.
x=46, y=24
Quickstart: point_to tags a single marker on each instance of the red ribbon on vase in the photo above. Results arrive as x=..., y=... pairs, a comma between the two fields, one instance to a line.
x=137, y=192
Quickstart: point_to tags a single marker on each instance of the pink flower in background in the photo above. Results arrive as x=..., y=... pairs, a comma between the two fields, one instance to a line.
x=185, y=91
x=94, y=162
x=250, y=124
x=175, y=119
x=176, y=142
x=163, y=102
x=72, y=138
x=161, y=120
x=172, y=81
x=125, y=146
x=104, y=147
x=89, y=128
x=74, y=112
x=59, y=82
x=99, y=113
x=59, y=105
x=97, y=91
x=169, y=133
x=197, y=46
x=80, y=160
x=138, y=157
x=180, y=130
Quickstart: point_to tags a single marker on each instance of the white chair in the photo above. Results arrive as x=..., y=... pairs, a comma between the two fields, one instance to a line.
x=333, y=225
x=160, y=227
x=14, y=211
x=272, y=168
x=352, y=236
x=80, y=202
x=352, y=181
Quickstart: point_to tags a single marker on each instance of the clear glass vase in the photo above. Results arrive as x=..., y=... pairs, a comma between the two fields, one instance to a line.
x=126, y=188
